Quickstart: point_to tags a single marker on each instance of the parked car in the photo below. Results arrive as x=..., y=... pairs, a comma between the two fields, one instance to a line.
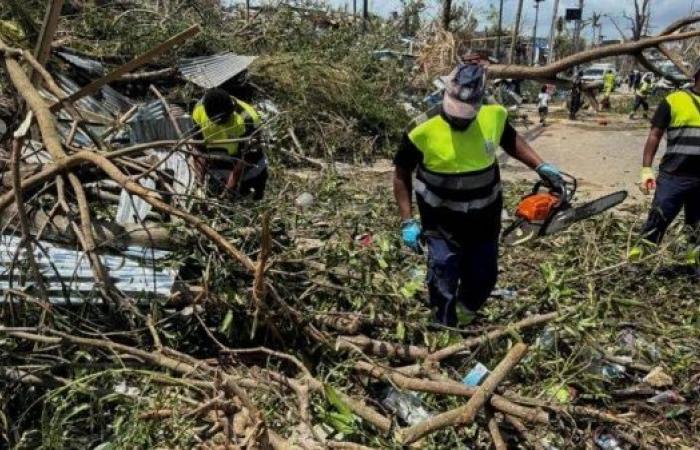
x=596, y=72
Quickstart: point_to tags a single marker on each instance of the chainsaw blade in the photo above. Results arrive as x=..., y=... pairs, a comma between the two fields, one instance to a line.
x=567, y=217
x=521, y=232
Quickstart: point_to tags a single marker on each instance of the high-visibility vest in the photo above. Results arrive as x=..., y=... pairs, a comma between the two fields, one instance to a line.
x=683, y=133
x=459, y=170
x=644, y=89
x=234, y=128
x=608, y=83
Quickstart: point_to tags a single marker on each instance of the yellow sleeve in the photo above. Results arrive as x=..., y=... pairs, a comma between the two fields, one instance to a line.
x=199, y=116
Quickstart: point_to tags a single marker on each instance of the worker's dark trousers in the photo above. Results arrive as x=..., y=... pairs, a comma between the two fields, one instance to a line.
x=466, y=274
x=640, y=102
x=674, y=192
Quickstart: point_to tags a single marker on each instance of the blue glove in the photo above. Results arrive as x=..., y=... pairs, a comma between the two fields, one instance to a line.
x=410, y=233
x=551, y=176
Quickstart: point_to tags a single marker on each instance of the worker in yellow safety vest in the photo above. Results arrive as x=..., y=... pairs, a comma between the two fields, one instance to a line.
x=640, y=96
x=235, y=167
x=678, y=184
x=609, y=81
x=452, y=150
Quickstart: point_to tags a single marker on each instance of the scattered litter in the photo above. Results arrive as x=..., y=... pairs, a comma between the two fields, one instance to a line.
x=408, y=407
x=666, y=397
x=505, y=294
x=612, y=371
x=658, y=378
x=305, y=200
x=608, y=442
x=475, y=376
x=365, y=239
x=129, y=391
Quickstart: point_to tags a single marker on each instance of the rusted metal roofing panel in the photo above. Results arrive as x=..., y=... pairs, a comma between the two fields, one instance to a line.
x=213, y=71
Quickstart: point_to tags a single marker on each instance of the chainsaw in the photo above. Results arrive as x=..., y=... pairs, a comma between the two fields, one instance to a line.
x=544, y=213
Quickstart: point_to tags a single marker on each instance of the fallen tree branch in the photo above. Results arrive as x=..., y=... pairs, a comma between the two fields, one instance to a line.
x=449, y=387
x=466, y=414
x=550, y=71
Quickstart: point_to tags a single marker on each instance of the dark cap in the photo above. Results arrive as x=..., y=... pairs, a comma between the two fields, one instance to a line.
x=464, y=90
x=218, y=105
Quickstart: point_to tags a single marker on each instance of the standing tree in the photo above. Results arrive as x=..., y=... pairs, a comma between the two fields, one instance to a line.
x=446, y=14
x=516, y=32
x=639, y=24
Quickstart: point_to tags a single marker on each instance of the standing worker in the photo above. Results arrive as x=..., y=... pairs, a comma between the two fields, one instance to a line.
x=543, y=104
x=678, y=184
x=608, y=87
x=576, y=89
x=458, y=190
x=238, y=168
x=641, y=95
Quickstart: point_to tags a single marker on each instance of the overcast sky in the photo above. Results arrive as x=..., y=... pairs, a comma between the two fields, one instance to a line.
x=663, y=11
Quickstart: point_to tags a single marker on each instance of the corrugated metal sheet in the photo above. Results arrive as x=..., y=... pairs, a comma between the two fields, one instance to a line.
x=151, y=123
x=89, y=65
x=213, y=71
x=136, y=272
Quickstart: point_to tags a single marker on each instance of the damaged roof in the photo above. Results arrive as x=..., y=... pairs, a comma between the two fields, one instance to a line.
x=136, y=272
x=213, y=71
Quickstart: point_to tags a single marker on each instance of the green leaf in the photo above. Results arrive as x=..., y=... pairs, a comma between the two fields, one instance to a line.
x=334, y=399
x=226, y=323
x=400, y=331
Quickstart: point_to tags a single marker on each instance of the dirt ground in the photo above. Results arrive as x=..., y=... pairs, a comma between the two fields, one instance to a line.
x=604, y=153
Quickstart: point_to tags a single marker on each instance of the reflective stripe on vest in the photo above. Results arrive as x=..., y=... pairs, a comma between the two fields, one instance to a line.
x=234, y=128
x=459, y=169
x=435, y=201
x=683, y=133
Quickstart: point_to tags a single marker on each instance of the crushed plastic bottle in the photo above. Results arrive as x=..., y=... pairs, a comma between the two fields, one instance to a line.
x=475, y=376
x=546, y=340
x=608, y=442
x=304, y=200
x=505, y=294
x=666, y=397
x=408, y=407
x=612, y=371
x=627, y=340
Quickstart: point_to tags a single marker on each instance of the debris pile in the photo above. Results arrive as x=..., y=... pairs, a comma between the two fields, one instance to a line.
x=139, y=312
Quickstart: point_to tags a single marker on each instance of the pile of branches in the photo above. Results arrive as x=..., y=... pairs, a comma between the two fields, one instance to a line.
x=299, y=316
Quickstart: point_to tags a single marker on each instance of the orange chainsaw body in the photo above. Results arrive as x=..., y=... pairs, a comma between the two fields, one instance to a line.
x=537, y=207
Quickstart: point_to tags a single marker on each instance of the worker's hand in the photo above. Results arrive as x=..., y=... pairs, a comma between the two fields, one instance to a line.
x=647, y=180
x=410, y=233
x=551, y=176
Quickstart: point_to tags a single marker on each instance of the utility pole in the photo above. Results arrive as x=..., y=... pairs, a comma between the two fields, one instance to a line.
x=354, y=9
x=500, y=31
x=552, y=32
x=516, y=32
x=534, y=30
x=365, y=14
x=247, y=10
x=577, y=29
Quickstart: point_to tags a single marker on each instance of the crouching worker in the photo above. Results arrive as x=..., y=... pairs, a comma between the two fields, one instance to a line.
x=458, y=190
x=234, y=168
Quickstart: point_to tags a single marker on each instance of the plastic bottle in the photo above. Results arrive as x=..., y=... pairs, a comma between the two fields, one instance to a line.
x=608, y=442
x=408, y=407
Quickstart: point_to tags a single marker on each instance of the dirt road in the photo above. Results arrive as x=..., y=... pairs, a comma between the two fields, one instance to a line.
x=603, y=158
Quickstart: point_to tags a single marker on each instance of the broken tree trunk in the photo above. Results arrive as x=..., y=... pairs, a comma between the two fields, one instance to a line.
x=550, y=71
